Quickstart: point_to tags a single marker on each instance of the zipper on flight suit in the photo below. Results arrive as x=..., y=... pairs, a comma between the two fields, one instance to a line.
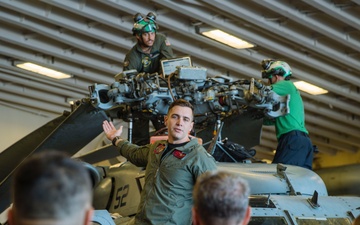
x=156, y=173
x=162, y=158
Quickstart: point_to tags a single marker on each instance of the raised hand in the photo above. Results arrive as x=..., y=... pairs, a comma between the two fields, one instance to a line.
x=110, y=131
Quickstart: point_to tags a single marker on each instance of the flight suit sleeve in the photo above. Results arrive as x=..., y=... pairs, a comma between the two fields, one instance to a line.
x=205, y=162
x=137, y=155
x=132, y=61
x=166, y=50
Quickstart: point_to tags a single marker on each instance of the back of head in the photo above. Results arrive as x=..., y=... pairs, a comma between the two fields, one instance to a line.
x=50, y=186
x=144, y=25
x=221, y=197
x=273, y=67
x=356, y=221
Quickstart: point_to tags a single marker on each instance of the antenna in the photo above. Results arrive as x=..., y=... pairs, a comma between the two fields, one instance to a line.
x=280, y=170
x=314, y=200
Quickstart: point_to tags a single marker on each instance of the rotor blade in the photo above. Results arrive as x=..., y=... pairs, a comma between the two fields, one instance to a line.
x=68, y=133
x=100, y=154
x=81, y=127
x=11, y=157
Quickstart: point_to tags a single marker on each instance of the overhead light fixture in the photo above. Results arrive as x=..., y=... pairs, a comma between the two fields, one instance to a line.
x=224, y=38
x=41, y=70
x=309, y=88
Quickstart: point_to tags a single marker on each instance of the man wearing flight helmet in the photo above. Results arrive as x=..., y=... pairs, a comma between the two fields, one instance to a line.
x=294, y=145
x=151, y=47
x=145, y=57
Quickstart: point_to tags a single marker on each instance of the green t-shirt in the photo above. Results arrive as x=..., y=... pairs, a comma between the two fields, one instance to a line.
x=295, y=120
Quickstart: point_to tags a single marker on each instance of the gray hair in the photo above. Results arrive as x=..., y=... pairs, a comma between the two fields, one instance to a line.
x=221, y=196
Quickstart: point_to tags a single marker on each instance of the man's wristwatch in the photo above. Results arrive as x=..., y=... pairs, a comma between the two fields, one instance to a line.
x=115, y=140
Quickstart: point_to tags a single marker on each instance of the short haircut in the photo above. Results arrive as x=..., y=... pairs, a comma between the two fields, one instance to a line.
x=182, y=103
x=50, y=185
x=221, y=196
x=356, y=221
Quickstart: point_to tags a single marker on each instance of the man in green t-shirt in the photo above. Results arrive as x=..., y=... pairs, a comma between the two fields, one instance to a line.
x=145, y=56
x=294, y=145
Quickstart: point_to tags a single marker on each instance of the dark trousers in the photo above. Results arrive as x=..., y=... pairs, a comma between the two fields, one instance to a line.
x=294, y=148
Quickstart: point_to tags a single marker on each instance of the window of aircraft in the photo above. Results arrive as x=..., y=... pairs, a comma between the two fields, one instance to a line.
x=323, y=221
x=271, y=220
x=261, y=202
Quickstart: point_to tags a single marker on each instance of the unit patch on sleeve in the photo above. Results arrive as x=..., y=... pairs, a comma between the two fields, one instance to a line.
x=159, y=148
x=167, y=42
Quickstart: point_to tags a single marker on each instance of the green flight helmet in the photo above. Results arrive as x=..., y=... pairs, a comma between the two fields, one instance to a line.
x=273, y=67
x=144, y=25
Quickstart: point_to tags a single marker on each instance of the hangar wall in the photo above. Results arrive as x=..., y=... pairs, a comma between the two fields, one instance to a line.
x=339, y=159
x=17, y=123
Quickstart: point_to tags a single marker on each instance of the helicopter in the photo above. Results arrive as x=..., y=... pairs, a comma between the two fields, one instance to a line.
x=280, y=194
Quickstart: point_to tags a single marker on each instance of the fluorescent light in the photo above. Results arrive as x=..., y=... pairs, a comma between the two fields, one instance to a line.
x=309, y=88
x=227, y=39
x=41, y=70
x=71, y=101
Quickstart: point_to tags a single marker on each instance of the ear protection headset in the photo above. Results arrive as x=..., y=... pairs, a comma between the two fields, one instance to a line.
x=272, y=67
x=144, y=25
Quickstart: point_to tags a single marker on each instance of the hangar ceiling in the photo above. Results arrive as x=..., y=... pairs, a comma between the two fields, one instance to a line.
x=89, y=39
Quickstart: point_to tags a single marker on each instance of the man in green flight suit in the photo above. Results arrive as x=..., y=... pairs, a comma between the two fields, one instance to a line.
x=151, y=47
x=145, y=57
x=172, y=167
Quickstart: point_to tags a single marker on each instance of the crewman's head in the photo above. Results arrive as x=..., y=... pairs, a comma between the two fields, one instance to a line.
x=145, y=28
x=275, y=70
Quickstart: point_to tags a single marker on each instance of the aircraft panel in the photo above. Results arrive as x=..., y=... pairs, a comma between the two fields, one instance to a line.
x=264, y=179
x=298, y=210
